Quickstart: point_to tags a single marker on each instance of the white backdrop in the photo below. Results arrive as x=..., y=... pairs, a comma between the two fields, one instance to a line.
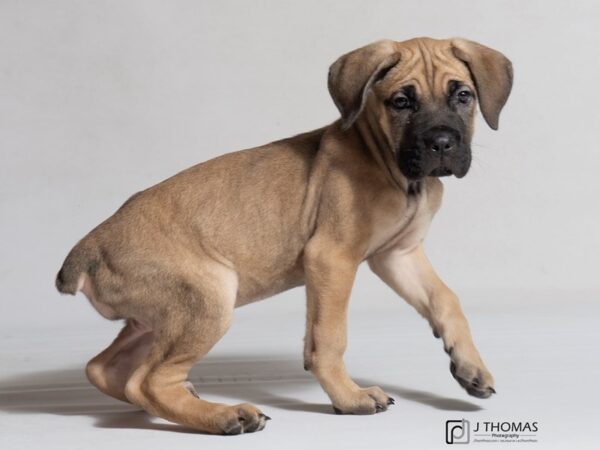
x=101, y=99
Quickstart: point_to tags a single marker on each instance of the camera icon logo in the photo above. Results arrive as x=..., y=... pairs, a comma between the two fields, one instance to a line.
x=458, y=431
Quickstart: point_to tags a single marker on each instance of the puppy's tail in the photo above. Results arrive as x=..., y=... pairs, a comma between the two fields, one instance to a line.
x=80, y=260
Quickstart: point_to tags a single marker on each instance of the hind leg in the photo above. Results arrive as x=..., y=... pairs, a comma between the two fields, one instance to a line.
x=191, y=316
x=160, y=384
x=110, y=369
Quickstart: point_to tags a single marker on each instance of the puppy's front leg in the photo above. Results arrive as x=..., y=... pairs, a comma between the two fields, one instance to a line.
x=413, y=278
x=329, y=276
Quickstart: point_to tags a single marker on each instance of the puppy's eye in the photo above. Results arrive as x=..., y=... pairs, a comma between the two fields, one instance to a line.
x=464, y=96
x=401, y=102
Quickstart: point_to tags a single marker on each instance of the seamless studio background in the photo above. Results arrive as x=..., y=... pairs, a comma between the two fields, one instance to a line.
x=101, y=99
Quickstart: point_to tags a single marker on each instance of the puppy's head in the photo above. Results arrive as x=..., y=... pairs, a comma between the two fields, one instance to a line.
x=420, y=96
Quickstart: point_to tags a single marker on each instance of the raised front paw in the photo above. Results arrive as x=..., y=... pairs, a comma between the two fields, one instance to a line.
x=370, y=400
x=471, y=374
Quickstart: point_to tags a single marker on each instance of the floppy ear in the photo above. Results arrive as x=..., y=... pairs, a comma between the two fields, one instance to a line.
x=492, y=73
x=353, y=74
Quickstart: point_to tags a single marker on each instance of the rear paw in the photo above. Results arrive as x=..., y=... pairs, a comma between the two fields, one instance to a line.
x=370, y=400
x=477, y=381
x=243, y=418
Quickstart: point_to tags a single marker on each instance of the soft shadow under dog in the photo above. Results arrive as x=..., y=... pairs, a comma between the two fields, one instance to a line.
x=260, y=380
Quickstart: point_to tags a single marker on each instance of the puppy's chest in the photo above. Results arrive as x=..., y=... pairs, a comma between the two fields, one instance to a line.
x=401, y=223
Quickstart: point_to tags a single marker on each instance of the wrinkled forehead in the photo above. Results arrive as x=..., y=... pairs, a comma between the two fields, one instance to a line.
x=428, y=65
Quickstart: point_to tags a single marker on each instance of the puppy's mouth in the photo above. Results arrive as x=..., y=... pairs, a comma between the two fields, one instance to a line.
x=441, y=172
x=414, y=164
x=444, y=170
x=415, y=170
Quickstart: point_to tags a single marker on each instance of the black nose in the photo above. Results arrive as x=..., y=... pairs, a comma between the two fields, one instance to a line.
x=441, y=141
